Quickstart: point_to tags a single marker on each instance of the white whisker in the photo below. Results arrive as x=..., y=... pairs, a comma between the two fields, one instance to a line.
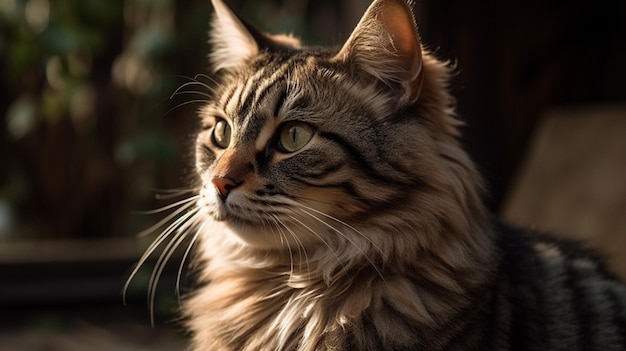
x=197, y=101
x=196, y=81
x=205, y=76
x=316, y=235
x=301, y=249
x=363, y=253
x=344, y=224
x=283, y=238
x=160, y=238
x=185, y=204
x=190, y=92
x=172, y=193
x=165, y=208
x=185, y=256
x=181, y=228
x=305, y=209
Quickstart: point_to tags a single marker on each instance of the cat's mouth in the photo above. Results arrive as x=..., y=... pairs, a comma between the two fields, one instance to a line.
x=238, y=217
x=232, y=210
x=256, y=223
x=248, y=225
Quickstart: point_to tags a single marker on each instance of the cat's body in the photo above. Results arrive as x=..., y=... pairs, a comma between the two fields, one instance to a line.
x=337, y=211
x=541, y=295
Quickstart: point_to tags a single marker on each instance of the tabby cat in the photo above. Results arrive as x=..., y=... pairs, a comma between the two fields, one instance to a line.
x=336, y=210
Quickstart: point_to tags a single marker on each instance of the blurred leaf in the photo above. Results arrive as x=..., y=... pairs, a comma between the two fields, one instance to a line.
x=152, y=145
x=21, y=117
x=152, y=41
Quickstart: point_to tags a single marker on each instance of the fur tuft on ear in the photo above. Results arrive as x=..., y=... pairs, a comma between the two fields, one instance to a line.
x=232, y=43
x=386, y=45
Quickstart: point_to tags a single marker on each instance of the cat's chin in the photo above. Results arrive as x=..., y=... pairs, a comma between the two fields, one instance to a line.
x=249, y=229
x=256, y=235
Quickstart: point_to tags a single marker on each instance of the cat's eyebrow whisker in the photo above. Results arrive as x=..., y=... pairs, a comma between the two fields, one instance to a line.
x=195, y=79
x=185, y=104
x=190, y=92
x=205, y=76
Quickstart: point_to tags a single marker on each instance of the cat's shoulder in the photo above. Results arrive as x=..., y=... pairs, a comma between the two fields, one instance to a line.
x=523, y=250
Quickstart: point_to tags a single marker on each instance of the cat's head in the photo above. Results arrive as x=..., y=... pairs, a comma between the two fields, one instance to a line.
x=304, y=147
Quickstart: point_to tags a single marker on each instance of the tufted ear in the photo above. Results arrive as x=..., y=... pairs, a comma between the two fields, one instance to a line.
x=386, y=45
x=234, y=41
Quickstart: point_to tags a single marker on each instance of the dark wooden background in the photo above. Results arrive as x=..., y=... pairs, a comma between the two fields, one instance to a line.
x=79, y=180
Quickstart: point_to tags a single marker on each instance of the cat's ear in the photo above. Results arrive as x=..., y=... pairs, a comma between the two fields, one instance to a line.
x=386, y=45
x=234, y=41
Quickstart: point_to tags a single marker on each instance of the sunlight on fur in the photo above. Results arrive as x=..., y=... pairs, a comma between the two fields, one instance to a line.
x=335, y=209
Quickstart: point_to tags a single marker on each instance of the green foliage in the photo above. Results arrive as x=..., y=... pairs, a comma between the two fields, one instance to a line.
x=84, y=111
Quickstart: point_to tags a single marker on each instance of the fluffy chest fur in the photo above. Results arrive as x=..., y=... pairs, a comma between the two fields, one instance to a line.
x=361, y=307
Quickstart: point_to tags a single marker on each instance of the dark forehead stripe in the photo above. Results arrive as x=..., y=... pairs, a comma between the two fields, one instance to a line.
x=280, y=102
x=264, y=84
x=254, y=109
x=229, y=94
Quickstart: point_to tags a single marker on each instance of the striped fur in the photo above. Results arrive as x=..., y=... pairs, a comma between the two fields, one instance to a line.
x=372, y=236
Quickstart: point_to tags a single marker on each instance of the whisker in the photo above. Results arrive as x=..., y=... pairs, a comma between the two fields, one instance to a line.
x=172, y=193
x=194, y=92
x=317, y=236
x=185, y=204
x=184, y=258
x=363, y=253
x=186, y=103
x=157, y=242
x=281, y=227
x=196, y=80
x=205, y=76
x=344, y=224
x=308, y=199
x=180, y=233
x=301, y=248
x=165, y=208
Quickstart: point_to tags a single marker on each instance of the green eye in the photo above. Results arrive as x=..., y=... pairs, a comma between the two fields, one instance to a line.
x=294, y=136
x=221, y=134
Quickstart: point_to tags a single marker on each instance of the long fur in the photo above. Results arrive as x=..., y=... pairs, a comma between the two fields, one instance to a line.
x=372, y=235
x=315, y=298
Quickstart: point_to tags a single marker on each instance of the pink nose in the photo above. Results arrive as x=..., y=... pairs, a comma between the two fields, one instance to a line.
x=224, y=185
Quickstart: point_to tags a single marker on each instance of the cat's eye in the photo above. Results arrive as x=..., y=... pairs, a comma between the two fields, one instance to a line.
x=221, y=134
x=294, y=136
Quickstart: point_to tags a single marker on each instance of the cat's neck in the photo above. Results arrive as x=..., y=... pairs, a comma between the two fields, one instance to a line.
x=377, y=247
x=286, y=297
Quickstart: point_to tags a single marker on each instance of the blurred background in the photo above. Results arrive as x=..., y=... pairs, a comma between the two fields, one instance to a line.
x=90, y=133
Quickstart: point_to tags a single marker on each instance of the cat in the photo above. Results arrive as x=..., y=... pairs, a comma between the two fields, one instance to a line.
x=337, y=210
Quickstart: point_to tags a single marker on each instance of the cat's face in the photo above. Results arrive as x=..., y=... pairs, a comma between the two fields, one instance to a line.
x=297, y=146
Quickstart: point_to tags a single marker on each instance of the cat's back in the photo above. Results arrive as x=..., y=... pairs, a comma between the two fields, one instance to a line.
x=553, y=295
